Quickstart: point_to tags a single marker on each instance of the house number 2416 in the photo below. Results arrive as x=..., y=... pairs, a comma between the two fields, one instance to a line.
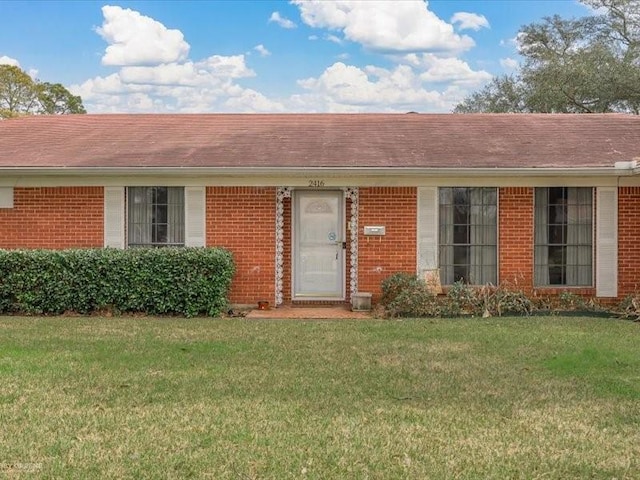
x=316, y=183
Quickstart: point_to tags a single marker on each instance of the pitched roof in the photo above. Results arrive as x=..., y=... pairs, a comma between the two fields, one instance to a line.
x=320, y=140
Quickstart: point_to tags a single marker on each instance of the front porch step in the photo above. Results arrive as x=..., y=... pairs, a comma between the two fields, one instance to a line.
x=315, y=312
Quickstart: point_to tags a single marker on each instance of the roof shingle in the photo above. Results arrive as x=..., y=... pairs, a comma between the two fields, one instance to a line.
x=320, y=140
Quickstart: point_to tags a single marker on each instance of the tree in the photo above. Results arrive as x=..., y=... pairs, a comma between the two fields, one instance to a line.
x=585, y=65
x=21, y=95
x=17, y=92
x=57, y=100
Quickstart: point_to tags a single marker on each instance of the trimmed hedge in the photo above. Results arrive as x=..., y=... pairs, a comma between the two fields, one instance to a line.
x=175, y=281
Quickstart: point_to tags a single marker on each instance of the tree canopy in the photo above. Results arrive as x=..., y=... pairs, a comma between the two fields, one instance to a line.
x=585, y=65
x=21, y=95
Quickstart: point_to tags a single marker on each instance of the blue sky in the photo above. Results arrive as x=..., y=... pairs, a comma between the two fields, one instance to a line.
x=269, y=56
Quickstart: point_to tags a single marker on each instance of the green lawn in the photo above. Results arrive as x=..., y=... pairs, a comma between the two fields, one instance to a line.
x=526, y=398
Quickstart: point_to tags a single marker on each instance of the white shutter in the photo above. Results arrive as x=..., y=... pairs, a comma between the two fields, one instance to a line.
x=427, y=229
x=114, y=216
x=607, y=242
x=195, y=216
x=6, y=197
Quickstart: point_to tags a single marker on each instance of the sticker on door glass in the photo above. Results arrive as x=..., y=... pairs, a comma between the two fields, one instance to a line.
x=332, y=236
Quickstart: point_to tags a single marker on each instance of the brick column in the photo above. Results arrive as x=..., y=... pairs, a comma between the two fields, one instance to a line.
x=516, y=221
x=628, y=240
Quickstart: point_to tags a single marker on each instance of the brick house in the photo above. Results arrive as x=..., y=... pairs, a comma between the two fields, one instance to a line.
x=316, y=207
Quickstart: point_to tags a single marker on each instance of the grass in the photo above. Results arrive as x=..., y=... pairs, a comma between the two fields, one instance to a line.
x=209, y=398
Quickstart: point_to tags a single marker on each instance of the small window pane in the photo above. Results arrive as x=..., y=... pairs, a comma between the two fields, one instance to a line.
x=489, y=196
x=461, y=234
x=460, y=255
x=446, y=196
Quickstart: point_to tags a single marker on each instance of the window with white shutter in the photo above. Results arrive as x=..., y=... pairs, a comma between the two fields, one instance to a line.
x=427, y=229
x=114, y=217
x=195, y=216
x=607, y=242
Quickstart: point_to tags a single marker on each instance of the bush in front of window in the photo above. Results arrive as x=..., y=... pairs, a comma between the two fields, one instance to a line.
x=171, y=281
x=406, y=295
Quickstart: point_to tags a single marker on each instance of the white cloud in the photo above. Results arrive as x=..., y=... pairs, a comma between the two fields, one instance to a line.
x=420, y=82
x=251, y=101
x=429, y=78
x=111, y=95
x=206, y=72
x=282, y=21
x=114, y=94
x=385, y=25
x=447, y=70
x=469, y=21
x=135, y=39
x=4, y=60
x=226, y=66
x=334, y=39
x=509, y=63
x=343, y=88
x=165, y=74
x=160, y=77
x=262, y=50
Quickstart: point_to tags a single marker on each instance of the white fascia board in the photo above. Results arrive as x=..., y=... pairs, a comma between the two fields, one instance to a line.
x=617, y=171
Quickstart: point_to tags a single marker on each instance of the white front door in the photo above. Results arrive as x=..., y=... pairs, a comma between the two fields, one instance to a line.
x=318, y=264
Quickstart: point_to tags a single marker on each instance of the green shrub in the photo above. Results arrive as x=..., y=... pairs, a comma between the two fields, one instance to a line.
x=417, y=302
x=405, y=295
x=395, y=284
x=462, y=299
x=507, y=301
x=180, y=281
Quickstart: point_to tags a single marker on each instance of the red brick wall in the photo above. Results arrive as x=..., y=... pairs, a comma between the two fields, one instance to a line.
x=378, y=257
x=515, y=230
x=53, y=217
x=242, y=219
x=628, y=240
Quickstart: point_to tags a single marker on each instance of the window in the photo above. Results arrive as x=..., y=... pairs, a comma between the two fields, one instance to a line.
x=563, y=236
x=468, y=235
x=155, y=216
